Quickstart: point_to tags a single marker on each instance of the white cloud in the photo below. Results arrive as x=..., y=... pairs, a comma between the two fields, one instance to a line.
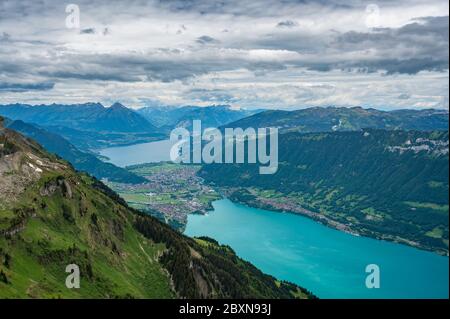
x=203, y=52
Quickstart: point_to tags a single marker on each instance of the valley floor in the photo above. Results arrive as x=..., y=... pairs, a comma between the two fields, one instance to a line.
x=171, y=193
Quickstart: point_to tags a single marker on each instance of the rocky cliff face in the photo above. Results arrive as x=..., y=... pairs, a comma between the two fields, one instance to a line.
x=22, y=162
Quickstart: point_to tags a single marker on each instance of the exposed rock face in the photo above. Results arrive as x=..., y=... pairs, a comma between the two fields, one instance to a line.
x=16, y=173
x=434, y=147
x=58, y=184
x=22, y=163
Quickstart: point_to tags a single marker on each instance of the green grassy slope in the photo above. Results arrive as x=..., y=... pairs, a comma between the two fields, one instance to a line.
x=87, y=229
x=56, y=216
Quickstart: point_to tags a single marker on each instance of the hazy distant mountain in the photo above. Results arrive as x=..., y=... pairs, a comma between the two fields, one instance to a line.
x=211, y=116
x=161, y=116
x=87, y=126
x=81, y=161
x=321, y=119
x=85, y=117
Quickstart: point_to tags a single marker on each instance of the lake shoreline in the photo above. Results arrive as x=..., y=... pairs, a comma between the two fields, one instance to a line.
x=326, y=221
x=325, y=260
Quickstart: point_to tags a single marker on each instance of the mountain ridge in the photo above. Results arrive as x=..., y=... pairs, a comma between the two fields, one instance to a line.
x=324, y=119
x=87, y=116
x=211, y=116
x=80, y=160
x=88, y=126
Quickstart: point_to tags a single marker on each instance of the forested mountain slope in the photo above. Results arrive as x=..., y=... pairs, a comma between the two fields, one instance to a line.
x=385, y=184
x=52, y=216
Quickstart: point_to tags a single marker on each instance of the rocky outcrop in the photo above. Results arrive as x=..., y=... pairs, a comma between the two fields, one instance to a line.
x=58, y=184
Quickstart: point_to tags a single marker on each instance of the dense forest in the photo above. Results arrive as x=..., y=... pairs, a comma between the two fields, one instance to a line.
x=215, y=268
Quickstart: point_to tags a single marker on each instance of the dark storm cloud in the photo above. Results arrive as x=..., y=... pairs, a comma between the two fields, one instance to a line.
x=415, y=47
x=24, y=87
x=88, y=31
x=212, y=96
x=287, y=24
x=207, y=40
x=292, y=41
x=131, y=68
x=4, y=37
x=421, y=45
x=248, y=7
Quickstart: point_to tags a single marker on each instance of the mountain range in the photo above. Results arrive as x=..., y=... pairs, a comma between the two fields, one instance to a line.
x=89, y=125
x=85, y=117
x=92, y=126
x=328, y=119
x=211, y=116
x=52, y=216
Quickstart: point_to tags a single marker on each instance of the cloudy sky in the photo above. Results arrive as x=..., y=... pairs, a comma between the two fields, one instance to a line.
x=246, y=53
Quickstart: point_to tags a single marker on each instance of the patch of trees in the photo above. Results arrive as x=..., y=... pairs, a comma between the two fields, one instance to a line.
x=222, y=273
x=63, y=257
x=3, y=277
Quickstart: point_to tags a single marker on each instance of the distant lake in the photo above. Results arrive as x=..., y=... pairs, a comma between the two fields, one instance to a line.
x=139, y=153
x=328, y=262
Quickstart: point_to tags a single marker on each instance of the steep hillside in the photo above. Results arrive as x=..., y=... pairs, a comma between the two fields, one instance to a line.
x=385, y=184
x=321, y=119
x=80, y=160
x=51, y=216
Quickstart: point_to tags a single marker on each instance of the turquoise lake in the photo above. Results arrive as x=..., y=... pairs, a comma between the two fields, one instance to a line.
x=328, y=262
x=139, y=153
